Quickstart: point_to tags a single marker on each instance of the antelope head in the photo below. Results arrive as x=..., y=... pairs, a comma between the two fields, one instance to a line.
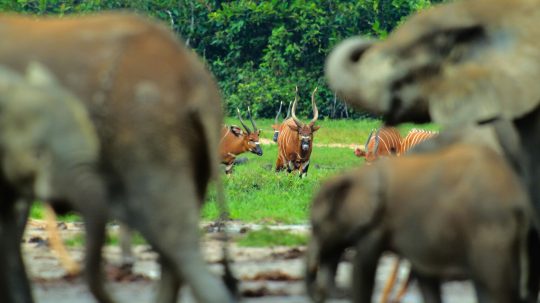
x=251, y=138
x=305, y=131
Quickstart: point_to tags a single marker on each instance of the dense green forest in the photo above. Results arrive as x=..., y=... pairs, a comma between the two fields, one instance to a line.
x=258, y=50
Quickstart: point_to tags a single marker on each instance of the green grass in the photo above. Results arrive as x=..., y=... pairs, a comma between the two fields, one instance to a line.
x=331, y=131
x=255, y=193
x=336, y=131
x=78, y=240
x=267, y=237
x=37, y=212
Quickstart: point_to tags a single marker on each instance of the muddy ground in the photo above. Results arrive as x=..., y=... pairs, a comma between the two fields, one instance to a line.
x=272, y=274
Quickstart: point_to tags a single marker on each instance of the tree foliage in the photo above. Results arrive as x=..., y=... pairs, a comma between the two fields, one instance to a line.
x=258, y=50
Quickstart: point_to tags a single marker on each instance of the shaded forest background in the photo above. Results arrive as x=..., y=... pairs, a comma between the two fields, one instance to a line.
x=258, y=50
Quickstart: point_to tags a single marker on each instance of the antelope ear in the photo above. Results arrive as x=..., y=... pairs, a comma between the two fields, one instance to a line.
x=315, y=128
x=237, y=131
x=259, y=132
x=293, y=127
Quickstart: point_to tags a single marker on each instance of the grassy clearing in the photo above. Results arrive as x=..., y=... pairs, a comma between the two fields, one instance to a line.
x=337, y=131
x=255, y=193
x=331, y=131
x=268, y=237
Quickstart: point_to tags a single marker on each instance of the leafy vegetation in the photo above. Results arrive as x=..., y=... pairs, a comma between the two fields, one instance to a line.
x=258, y=50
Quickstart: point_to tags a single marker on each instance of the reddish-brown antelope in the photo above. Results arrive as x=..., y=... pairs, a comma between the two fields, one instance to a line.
x=234, y=142
x=385, y=141
x=295, y=140
x=415, y=136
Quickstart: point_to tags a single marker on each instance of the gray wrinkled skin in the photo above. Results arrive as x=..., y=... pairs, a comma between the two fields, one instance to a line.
x=48, y=151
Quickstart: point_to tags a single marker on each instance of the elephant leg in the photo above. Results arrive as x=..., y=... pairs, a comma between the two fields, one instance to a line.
x=311, y=268
x=430, y=288
x=95, y=239
x=22, y=210
x=170, y=283
x=14, y=284
x=326, y=277
x=497, y=279
x=368, y=252
x=167, y=214
x=89, y=197
x=533, y=282
x=125, y=234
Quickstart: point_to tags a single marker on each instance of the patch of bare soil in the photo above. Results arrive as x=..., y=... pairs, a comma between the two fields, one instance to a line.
x=270, y=274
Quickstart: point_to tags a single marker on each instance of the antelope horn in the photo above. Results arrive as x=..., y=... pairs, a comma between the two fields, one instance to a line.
x=242, y=121
x=377, y=141
x=278, y=112
x=368, y=139
x=251, y=119
x=289, y=111
x=293, y=111
x=315, y=110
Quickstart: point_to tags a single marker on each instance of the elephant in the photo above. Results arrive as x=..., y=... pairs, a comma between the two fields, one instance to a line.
x=456, y=64
x=465, y=215
x=157, y=112
x=459, y=63
x=49, y=150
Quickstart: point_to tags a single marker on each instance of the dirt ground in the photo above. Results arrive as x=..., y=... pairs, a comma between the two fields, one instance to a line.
x=272, y=274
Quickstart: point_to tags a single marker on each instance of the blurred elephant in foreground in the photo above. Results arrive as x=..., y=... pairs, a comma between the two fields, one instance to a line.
x=458, y=63
x=466, y=216
x=157, y=112
x=49, y=150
